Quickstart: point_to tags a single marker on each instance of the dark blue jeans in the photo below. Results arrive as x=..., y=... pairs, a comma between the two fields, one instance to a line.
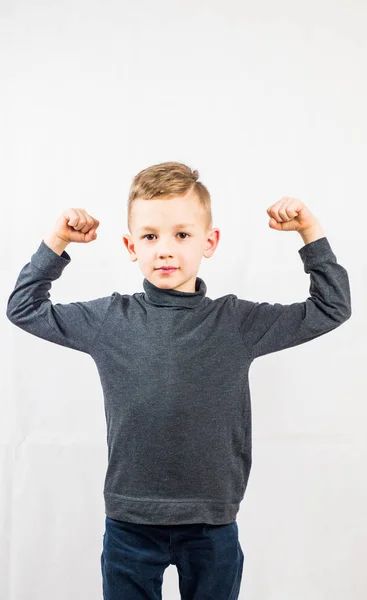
x=209, y=560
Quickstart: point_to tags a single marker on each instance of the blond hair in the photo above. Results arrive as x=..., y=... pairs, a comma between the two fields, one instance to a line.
x=165, y=179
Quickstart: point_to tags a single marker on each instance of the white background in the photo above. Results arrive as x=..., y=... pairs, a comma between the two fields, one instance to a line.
x=265, y=99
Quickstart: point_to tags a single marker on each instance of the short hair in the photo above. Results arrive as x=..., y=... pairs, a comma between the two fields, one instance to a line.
x=166, y=179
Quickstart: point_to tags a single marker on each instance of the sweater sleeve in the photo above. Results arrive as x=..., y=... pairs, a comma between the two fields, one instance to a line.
x=267, y=328
x=74, y=325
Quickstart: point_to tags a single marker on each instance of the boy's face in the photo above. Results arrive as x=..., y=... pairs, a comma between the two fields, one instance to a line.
x=157, y=240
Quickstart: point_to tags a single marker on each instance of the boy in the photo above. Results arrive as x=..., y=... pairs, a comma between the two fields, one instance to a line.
x=174, y=369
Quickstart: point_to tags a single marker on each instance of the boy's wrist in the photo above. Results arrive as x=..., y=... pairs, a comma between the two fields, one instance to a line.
x=56, y=244
x=312, y=234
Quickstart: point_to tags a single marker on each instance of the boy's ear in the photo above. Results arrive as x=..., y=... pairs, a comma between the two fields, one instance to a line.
x=212, y=242
x=128, y=241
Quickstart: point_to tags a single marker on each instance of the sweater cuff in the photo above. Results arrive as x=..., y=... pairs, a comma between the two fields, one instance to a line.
x=48, y=261
x=316, y=252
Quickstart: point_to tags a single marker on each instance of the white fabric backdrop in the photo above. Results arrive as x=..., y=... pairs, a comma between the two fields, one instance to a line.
x=265, y=100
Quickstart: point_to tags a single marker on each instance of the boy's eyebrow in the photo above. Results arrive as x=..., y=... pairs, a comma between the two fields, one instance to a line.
x=183, y=225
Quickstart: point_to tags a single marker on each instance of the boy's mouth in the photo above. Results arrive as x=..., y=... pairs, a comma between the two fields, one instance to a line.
x=166, y=269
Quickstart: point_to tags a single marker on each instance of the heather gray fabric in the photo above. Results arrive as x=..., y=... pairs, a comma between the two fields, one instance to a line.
x=174, y=372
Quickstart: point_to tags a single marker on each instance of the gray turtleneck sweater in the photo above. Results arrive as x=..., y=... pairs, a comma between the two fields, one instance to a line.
x=174, y=371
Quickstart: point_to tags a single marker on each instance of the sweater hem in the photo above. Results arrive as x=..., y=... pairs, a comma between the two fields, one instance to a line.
x=163, y=512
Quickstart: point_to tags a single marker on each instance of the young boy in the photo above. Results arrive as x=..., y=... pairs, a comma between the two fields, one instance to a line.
x=174, y=370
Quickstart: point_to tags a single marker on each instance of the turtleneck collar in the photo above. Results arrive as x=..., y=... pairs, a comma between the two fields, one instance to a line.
x=170, y=297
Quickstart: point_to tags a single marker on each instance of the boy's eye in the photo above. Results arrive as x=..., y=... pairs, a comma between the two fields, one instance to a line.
x=180, y=233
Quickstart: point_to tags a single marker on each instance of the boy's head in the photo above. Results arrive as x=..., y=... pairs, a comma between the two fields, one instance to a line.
x=170, y=221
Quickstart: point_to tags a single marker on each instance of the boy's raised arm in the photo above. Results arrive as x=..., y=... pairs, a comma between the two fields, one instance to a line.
x=74, y=325
x=266, y=327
